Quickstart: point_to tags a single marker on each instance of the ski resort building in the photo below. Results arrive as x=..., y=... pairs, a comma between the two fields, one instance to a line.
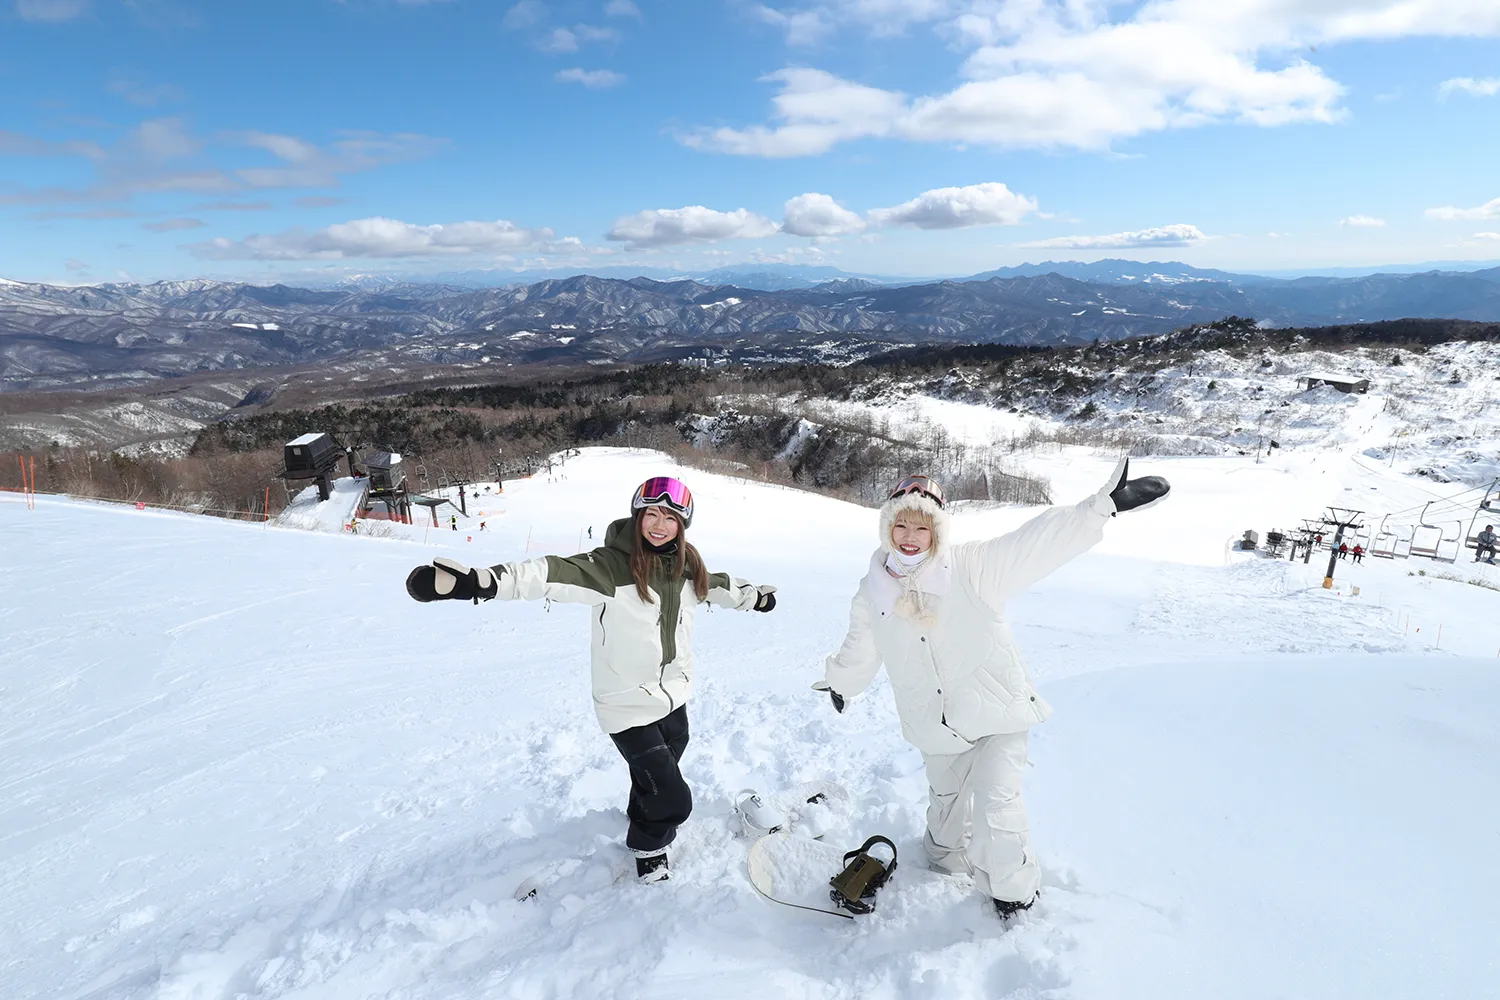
x=1343, y=383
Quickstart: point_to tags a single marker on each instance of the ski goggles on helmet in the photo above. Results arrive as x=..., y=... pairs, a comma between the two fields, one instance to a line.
x=664, y=491
x=920, y=485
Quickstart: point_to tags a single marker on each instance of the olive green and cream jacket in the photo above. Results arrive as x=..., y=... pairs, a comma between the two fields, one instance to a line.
x=642, y=653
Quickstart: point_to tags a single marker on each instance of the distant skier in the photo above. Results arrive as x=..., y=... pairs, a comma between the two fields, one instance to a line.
x=1485, y=542
x=1343, y=550
x=453, y=521
x=1358, y=553
x=933, y=613
x=645, y=581
x=591, y=532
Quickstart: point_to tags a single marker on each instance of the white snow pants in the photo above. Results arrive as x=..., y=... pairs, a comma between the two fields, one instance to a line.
x=976, y=819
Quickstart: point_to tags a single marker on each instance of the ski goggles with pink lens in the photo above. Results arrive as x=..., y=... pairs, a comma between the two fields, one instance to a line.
x=664, y=491
x=920, y=485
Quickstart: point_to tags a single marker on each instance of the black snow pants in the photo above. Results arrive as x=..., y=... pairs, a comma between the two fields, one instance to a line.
x=660, y=800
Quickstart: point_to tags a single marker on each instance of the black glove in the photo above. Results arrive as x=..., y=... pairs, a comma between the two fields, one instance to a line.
x=1137, y=494
x=449, y=580
x=833, y=696
x=765, y=602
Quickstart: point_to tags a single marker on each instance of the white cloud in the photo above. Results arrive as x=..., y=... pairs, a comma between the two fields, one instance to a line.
x=562, y=40
x=558, y=40
x=661, y=227
x=1163, y=236
x=1450, y=213
x=524, y=14
x=1362, y=222
x=380, y=238
x=173, y=225
x=50, y=10
x=74, y=264
x=818, y=215
x=1487, y=87
x=1487, y=236
x=621, y=8
x=991, y=204
x=817, y=110
x=1087, y=73
x=161, y=155
x=594, y=79
x=805, y=27
x=878, y=17
x=305, y=164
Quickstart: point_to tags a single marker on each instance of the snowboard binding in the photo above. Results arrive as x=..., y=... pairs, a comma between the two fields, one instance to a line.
x=757, y=817
x=854, y=888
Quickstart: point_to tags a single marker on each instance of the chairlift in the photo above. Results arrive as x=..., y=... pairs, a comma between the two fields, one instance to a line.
x=1425, y=538
x=1404, y=541
x=1487, y=507
x=1451, y=545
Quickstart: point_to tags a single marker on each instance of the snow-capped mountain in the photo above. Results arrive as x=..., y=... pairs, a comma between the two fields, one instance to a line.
x=57, y=335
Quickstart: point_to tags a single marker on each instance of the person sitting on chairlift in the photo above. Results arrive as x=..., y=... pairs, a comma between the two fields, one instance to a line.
x=1485, y=543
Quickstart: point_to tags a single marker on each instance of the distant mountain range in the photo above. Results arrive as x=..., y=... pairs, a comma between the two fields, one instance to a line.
x=783, y=277
x=54, y=336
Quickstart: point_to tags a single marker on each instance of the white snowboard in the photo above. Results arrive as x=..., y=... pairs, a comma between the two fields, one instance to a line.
x=795, y=871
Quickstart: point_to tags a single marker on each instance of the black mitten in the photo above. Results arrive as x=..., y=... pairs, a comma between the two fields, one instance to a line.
x=1137, y=494
x=765, y=602
x=833, y=696
x=450, y=580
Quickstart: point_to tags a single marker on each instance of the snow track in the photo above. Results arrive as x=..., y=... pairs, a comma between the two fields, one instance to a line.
x=237, y=762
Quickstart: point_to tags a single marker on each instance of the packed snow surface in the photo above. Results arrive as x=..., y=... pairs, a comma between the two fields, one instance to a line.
x=239, y=762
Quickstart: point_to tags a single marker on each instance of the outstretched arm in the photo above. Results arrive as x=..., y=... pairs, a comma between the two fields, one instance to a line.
x=850, y=670
x=727, y=591
x=587, y=578
x=1003, y=567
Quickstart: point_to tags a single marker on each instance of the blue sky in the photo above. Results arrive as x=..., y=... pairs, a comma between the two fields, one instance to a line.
x=310, y=139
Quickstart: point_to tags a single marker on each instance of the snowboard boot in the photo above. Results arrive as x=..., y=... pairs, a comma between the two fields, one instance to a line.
x=1005, y=909
x=652, y=868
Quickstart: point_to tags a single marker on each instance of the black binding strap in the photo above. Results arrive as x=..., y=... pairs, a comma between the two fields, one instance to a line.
x=854, y=888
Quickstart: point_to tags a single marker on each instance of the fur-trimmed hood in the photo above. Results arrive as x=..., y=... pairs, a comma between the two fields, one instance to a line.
x=941, y=541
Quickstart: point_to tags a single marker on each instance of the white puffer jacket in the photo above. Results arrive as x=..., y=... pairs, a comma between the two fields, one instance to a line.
x=941, y=632
x=641, y=652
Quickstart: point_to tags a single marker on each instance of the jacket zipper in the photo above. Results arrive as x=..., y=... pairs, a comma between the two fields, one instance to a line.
x=661, y=619
x=603, y=632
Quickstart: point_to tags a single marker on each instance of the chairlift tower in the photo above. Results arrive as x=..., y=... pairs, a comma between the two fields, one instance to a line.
x=1341, y=519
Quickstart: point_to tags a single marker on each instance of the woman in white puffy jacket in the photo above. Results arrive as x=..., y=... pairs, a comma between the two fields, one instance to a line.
x=934, y=614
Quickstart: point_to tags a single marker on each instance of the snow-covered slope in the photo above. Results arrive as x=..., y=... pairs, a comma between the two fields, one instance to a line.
x=239, y=762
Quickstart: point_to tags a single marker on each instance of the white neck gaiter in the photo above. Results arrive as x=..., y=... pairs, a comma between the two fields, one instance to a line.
x=909, y=561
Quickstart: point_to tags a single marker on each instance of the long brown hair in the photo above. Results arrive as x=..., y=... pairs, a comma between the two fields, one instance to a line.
x=686, y=562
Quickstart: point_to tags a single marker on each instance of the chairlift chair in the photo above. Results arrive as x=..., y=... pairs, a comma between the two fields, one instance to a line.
x=1403, y=541
x=1486, y=507
x=1425, y=539
x=1451, y=545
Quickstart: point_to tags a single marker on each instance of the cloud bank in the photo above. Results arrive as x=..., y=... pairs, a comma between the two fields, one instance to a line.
x=1083, y=74
x=664, y=227
x=380, y=238
x=1179, y=235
